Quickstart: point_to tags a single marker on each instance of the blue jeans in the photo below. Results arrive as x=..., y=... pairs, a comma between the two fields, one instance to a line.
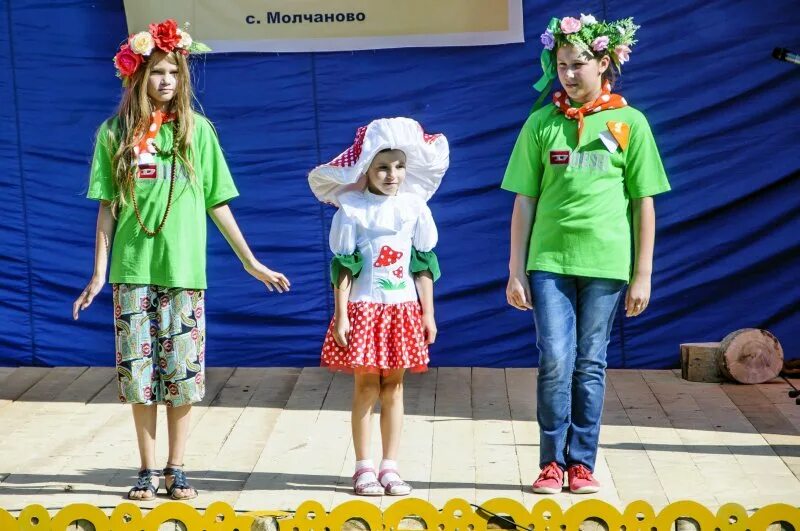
x=573, y=318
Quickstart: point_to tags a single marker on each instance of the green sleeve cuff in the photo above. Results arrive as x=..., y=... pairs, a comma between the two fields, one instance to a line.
x=425, y=261
x=351, y=262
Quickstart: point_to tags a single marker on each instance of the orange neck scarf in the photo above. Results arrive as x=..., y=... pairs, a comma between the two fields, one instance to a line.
x=605, y=101
x=147, y=142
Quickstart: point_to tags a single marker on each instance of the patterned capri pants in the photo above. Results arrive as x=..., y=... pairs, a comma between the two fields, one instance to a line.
x=160, y=342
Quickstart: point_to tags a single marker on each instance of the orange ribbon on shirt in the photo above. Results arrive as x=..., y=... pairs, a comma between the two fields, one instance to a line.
x=621, y=133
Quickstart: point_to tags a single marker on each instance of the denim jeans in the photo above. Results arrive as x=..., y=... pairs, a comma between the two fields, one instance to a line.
x=573, y=318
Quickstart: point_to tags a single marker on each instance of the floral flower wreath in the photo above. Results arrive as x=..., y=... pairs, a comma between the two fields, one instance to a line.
x=588, y=35
x=166, y=36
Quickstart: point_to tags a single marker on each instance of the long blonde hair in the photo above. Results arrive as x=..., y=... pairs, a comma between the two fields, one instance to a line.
x=133, y=117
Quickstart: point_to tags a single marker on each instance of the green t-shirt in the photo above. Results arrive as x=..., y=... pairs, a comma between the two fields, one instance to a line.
x=176, y=257
x=583, y=219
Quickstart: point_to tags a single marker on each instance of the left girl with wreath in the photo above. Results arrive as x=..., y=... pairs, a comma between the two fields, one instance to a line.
x=157, y=170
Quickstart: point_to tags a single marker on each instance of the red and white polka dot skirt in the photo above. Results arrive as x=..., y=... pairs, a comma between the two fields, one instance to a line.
x=383, y=337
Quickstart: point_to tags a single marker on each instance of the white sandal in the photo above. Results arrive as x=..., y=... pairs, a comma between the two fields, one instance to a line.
x=370, y=488
x=395, y=487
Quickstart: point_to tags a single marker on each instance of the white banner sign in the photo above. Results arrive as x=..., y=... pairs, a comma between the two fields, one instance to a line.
x=334, y=25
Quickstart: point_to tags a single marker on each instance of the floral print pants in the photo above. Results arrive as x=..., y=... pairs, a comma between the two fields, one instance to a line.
x=160, y=343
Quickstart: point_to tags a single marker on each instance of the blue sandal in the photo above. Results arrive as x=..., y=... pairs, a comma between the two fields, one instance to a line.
x=179, y=481
x=145, y=484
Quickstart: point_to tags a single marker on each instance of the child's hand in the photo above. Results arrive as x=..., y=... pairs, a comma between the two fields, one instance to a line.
x=89, y=293
x=341, y=330
x=638, y=296
x=272, y=279
x=518, y=292
x=429, y=328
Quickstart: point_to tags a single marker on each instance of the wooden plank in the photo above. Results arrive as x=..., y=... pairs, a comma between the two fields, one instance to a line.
x=779, y=433
x=227, y=472
x=628, y=464
x=52, y=385
x=453, y=463
x=497, y=473
x=55, y=475
x=109, y=394
x=330, y=460
x=19, y=381
x=602, y=472
x=22, y=420
x=776, y=392
x=720, y=469
x=87, y=459
x=87, y=385
x=678, y=475
x=66, y=413
x=48, y=470
x=754, y=455
x=5, y=371
x=212, y=428
x=276, y=481
x=642, y=438
x=759, y=410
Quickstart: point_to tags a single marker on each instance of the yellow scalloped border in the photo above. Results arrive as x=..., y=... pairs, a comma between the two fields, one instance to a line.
x=457, y=514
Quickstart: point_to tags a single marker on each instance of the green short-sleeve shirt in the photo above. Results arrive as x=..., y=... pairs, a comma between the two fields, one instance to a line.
x=583, y=220
x=176, y=257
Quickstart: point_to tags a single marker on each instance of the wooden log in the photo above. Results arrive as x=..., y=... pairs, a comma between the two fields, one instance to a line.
x=750, y=356
x=686, y=524
x=593, y=524
x=700, y=362
x=265, y=523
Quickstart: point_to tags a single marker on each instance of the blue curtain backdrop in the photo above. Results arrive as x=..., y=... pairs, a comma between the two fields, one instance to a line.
x=725, y=115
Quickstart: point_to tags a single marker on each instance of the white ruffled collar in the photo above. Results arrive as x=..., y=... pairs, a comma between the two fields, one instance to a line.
x=384, y=214
x=377, y=198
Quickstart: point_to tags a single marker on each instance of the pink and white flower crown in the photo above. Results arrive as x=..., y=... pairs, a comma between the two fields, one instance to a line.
x=592, y=36
x=165, y=36
x=589, y=35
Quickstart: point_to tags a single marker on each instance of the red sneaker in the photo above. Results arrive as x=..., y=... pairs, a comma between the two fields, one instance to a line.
x=581, y=480
x=550, y=480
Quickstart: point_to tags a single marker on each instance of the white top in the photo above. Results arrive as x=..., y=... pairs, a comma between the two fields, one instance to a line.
x=384, y=229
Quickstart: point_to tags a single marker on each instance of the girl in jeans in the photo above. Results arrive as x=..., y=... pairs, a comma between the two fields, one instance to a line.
x=584, y=168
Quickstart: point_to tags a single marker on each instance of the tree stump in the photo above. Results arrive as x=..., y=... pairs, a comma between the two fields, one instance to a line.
x=750, y=356
x=700, y=362
x=265, y=523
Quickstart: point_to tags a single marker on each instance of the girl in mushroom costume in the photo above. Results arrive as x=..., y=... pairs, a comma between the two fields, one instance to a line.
x=382, y=272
